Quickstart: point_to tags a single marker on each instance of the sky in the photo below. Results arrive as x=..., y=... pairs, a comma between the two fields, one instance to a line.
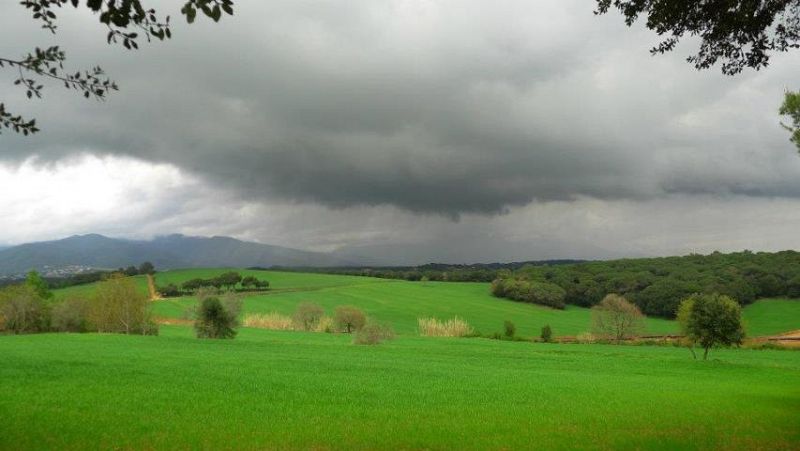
x=409, y=130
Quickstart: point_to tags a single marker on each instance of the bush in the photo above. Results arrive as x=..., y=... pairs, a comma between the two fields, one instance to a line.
x=308, y=315
x=233, y=305
x=71, y=315
x=349, y=319
x=585, y=338
x=509, y=329
x=547, y=334
x=169, y=291
x=373, y=333
x=213, y=321
x=455, y=327
x=23, y=310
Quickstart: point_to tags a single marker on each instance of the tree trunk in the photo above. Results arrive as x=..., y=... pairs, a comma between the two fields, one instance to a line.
x=694, y=354
x=705, y=354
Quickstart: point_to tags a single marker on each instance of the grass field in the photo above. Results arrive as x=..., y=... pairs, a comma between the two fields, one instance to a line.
x=291, y=390
x=401, y=303
x=398, y=302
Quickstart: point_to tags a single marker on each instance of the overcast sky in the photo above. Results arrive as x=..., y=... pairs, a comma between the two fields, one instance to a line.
x=413, y=130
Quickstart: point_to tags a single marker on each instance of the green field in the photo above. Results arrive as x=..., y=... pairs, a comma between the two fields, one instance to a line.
x=401, y=303
x=295, y=390
x=291, y=390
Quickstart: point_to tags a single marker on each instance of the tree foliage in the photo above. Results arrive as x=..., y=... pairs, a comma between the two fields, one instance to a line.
x=349, y=319
x=616, y=318
x=119, y=307
x=711, y=320
x=736, y=34
x=23, y=310
x=308, y=315
x=213, y=320
x=791, y=109
x=126, y=23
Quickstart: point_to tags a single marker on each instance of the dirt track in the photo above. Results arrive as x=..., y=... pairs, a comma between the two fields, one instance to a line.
x=151, y=286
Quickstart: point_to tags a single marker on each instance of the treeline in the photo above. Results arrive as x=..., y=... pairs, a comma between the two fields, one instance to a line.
x=438, y=272
x=656, y=285
x=116, y=306
x=230, y=280
x=85, y=278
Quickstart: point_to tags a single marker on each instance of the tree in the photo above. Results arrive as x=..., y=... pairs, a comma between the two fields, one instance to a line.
x=737, y=34
x=131, y=271
x=213, y=321
x=35, y=281
x=348, y=318
x=127, y=22
x=118, y=306
x=791, y=108
x=616, y=318
x=711, y=320
x=308, y=315
x=71, y=315
x=23, y=309
x=547, y=334
x=147, y=268
x=509, y=329
x=228, y=279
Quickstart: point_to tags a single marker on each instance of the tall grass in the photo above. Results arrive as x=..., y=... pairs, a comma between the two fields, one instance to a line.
x=276, y=321
x=272, y=321
x=454, y=327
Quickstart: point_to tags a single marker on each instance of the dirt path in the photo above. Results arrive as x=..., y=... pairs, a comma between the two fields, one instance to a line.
x=151, y=286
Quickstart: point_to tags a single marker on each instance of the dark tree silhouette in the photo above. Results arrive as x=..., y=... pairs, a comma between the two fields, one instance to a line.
x=127, y=21
x=735, y=33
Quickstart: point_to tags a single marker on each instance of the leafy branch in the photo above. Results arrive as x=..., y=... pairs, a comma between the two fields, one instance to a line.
x=126, y=20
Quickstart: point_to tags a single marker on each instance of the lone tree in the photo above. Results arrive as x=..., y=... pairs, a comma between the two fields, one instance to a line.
x=737, y=34
x=213, y=320
x=348, y=318
x=710, y=320
x=127, y=21
x=616, y=318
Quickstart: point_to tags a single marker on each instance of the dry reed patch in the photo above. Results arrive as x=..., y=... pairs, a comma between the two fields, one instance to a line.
x=272, y=321
x=454, y=327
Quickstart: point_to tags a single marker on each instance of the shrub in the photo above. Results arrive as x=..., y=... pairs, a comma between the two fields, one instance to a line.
x=169, y=291
x=349, y=319
x=119, y=307
x=509, y=329
x=233, y=305
x=585, y=338
x=615, y=318
x=308, y=315
x=71, y=315
x=373, y=333
x=547, y=334
x=455, y=327
x=272, y=321
x=213, y=321
x=325, y=325
x=23, y=309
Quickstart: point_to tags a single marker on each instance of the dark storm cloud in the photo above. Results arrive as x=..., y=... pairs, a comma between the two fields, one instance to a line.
x=447, y=107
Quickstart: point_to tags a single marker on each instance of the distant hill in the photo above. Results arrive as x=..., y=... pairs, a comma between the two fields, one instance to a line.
x=172, y=251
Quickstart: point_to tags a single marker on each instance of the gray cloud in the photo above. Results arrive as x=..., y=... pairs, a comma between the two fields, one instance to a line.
x=448, y=107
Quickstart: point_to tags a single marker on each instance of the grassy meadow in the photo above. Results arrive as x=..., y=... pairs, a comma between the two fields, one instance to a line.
x=296, y=390
x=401, y=303
x=291, y=390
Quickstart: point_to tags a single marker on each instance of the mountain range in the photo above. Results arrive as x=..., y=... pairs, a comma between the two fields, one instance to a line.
x=165, y=252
